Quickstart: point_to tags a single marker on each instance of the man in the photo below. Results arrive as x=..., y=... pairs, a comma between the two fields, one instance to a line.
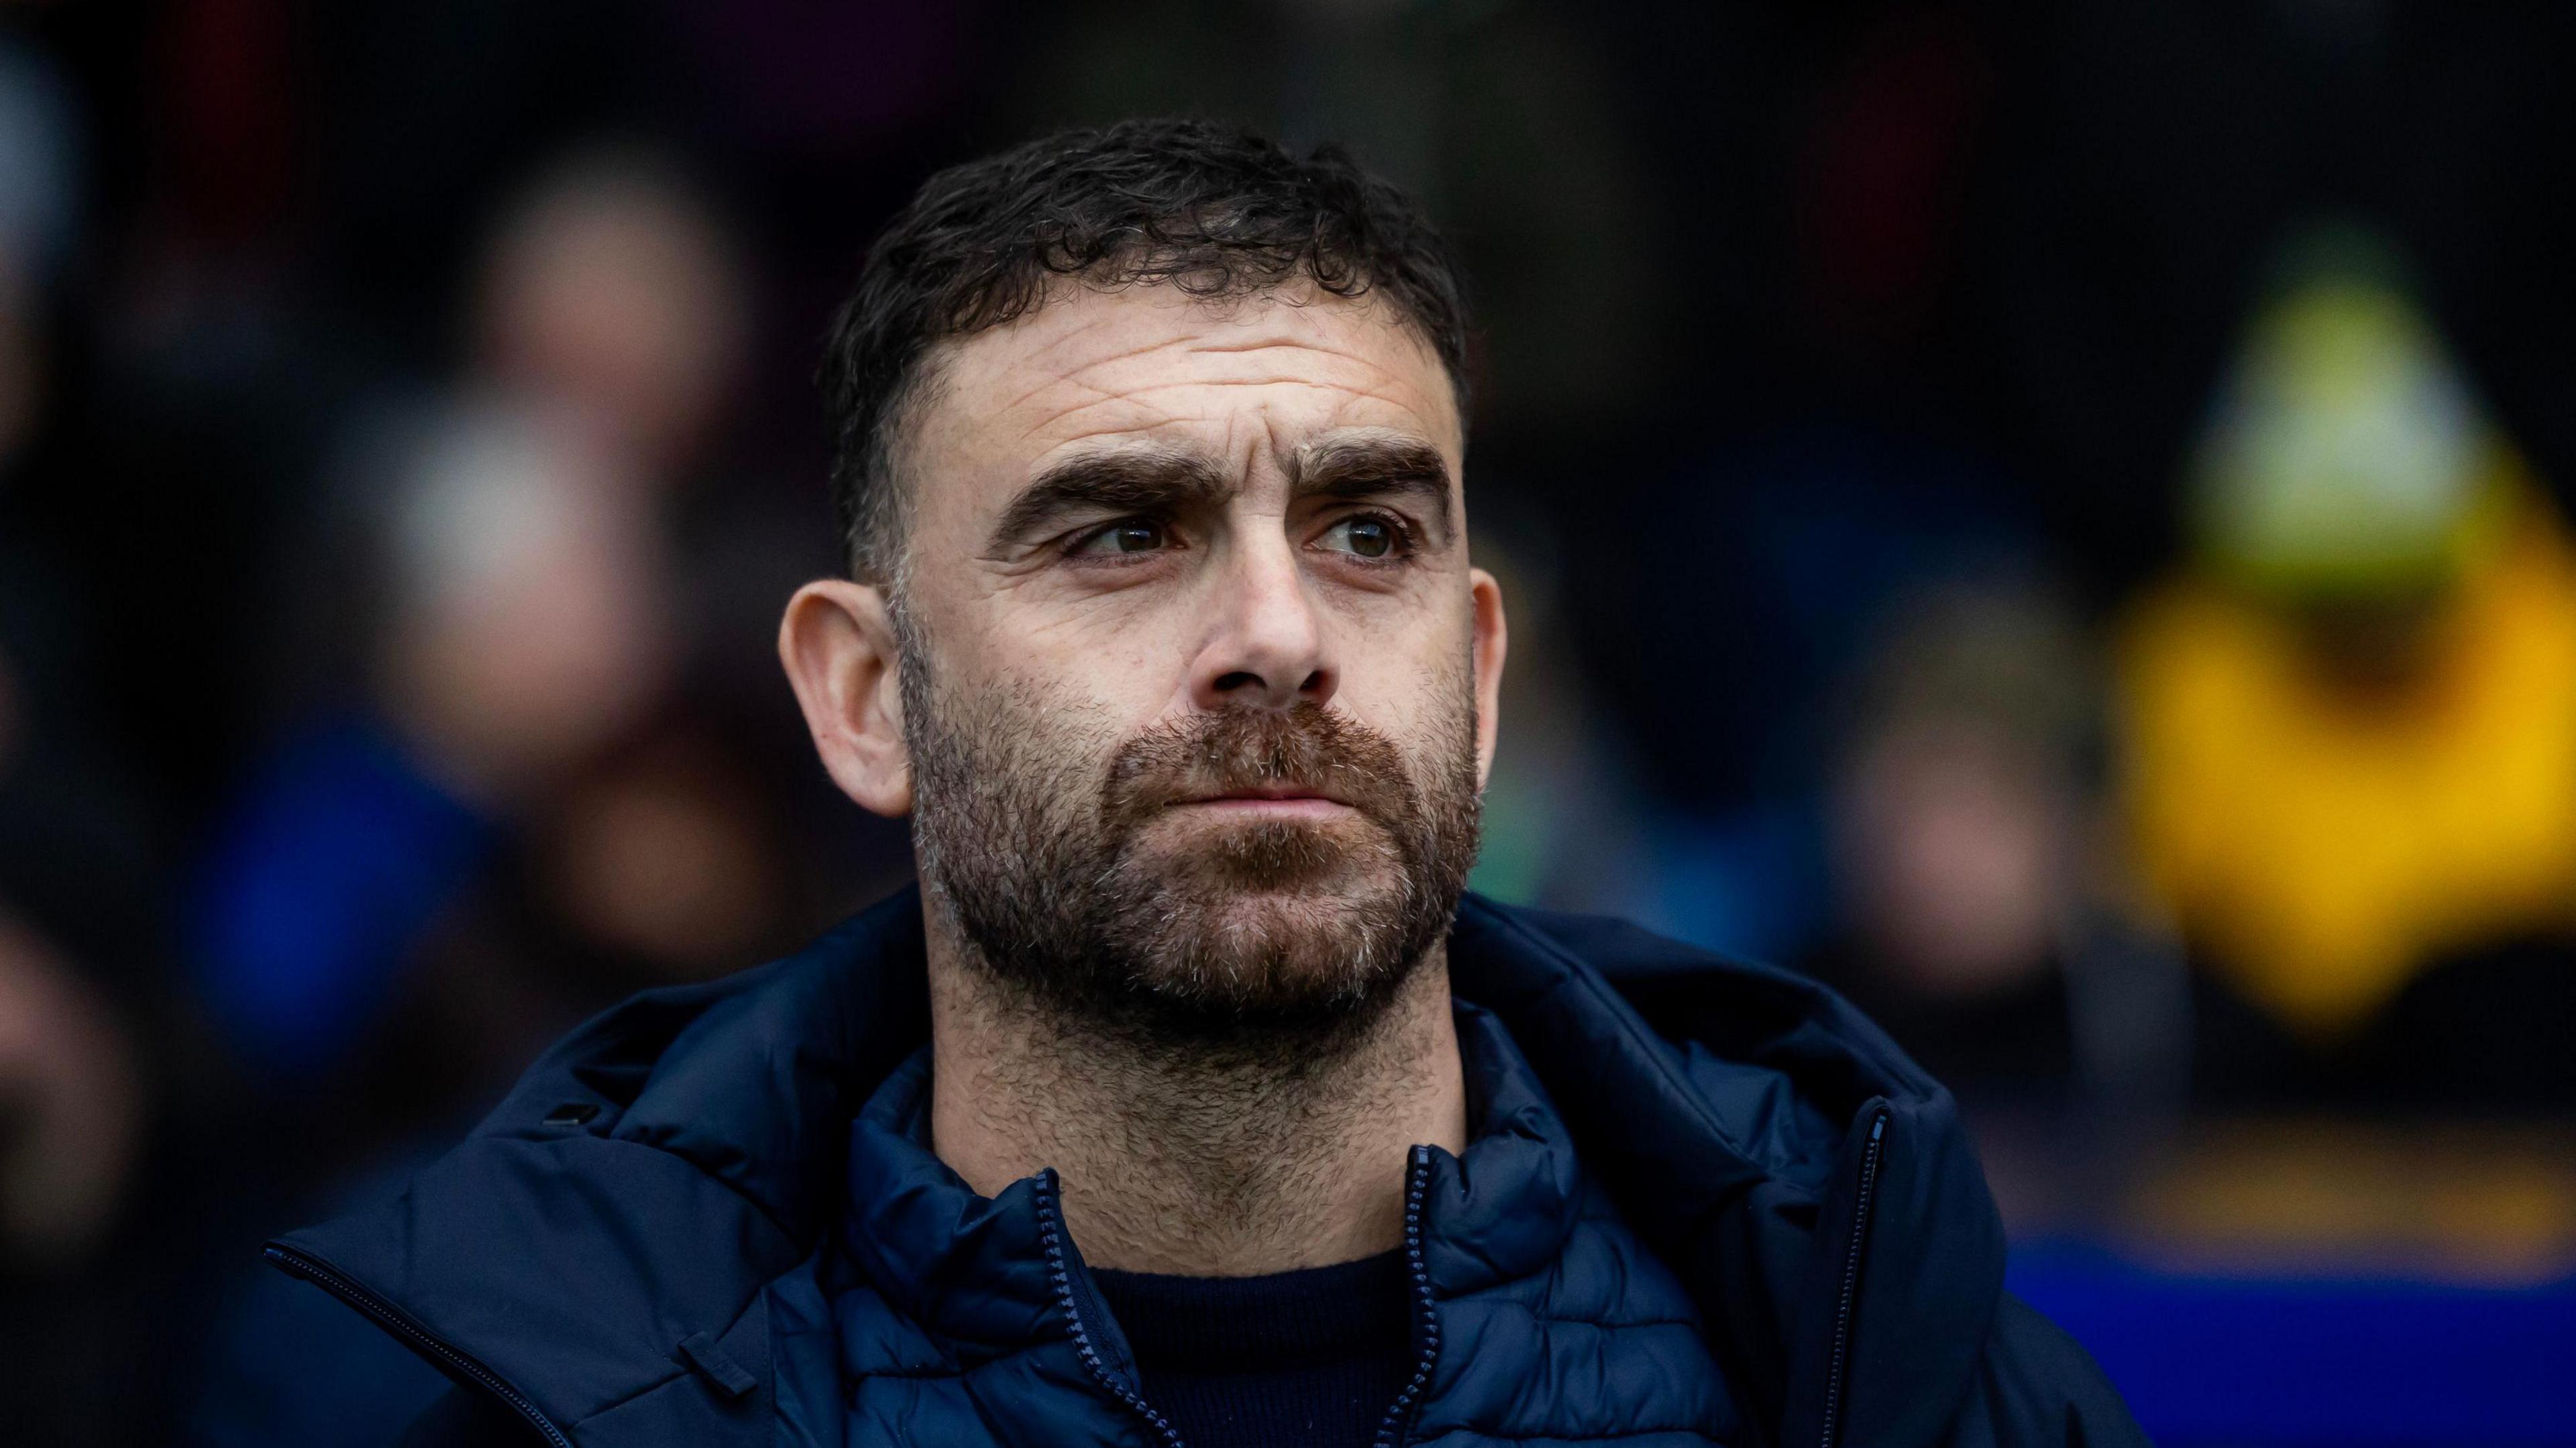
x=1190, y=1101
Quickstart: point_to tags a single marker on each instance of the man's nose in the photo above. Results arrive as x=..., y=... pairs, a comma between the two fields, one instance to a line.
x=1268, y=648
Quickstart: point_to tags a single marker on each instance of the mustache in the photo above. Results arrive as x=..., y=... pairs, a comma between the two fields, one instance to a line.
x=1307, y=748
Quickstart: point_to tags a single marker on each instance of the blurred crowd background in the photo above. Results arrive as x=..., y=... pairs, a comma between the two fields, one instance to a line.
x=2055, y=519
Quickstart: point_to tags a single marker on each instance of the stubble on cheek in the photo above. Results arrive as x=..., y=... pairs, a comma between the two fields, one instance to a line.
x=1079, y=866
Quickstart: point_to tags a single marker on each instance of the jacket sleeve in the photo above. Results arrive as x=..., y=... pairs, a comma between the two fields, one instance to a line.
x=463, y=1418
x=2038, y=1388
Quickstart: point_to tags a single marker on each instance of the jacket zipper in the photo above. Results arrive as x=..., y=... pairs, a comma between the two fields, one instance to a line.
x=1051, y=1232
x=1390, y=1433
x=392, y=1320
x=1417, y=1185
x=1837, y=1377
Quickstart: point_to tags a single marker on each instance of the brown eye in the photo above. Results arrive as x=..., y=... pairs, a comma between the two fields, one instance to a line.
x=1136, y=535
x=1363, y=537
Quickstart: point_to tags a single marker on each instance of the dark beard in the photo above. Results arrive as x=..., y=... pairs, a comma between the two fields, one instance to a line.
x=1245, y=937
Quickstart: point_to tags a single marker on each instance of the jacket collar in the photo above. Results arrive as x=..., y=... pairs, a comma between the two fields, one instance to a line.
x=1735, y=1110
x=970, y=1268
x=974, y=1269
x=576, y=1256
x=1504, y=1207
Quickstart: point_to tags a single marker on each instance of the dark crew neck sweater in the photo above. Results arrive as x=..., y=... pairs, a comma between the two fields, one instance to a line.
x=1313, y=1358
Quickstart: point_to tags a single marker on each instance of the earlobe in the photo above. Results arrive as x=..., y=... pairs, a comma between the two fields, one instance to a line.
x=1492, y=642
x=837, y=643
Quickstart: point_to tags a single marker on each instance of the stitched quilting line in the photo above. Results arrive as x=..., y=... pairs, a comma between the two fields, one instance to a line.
x=1548, y=1319
x=1613, y=1437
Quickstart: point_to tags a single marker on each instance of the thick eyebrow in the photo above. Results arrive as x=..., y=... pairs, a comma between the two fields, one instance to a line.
x=1124, y=480
x=1376, y=466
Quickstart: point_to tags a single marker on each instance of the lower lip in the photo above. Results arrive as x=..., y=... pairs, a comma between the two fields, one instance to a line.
x=1302, y=808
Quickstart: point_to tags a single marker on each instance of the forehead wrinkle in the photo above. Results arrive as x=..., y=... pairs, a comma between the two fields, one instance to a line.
x=1096, y=394
x=1315, y=345
x=1156, y=416
x=1149, y=417
x=1426, y=430
x=1367, y=379
x=1150, y=386
x=1056, y=380
x=1263, y=345
x=1092, y=316
x=1200, y=346
x=1159, y=344
x=1147, y=387
x=1071, y=438
x=1039, y=359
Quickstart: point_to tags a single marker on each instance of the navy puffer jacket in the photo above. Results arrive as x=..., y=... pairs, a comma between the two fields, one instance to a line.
x=638, y=1247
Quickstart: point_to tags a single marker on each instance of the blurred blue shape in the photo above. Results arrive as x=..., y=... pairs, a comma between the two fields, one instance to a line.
x=2208, y=1359
x=1774, y=566
x=41, y=159
x=291, y=1367
x=1750, y=883
x=333, y=864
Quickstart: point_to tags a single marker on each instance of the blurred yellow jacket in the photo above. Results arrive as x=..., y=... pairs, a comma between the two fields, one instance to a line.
x=2318, y=845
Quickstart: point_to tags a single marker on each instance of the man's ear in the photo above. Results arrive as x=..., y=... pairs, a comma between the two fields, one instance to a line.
x=1492, y=641
x=838, y=643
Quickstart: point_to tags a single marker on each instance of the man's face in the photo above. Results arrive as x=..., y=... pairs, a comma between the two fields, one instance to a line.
x=1192, y=656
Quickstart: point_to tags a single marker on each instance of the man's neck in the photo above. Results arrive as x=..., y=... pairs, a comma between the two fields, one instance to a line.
x=1203, y=1164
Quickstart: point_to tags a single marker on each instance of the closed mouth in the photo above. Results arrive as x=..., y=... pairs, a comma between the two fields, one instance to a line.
x=1283, y=798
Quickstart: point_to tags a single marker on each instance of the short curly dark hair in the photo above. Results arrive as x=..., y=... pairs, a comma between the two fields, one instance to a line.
x=1214, y=211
